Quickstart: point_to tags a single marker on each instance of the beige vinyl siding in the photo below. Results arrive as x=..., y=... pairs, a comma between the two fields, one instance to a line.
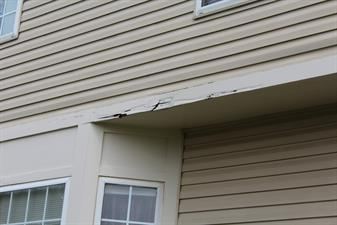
x=268, y=174
x=31, y=4
x=77, y=52
x=52, y=12
x=39, y=9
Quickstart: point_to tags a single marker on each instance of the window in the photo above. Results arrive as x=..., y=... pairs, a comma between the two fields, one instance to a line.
x=10, y=12
x=204, y=7
x=123, y=202
x=33, y=204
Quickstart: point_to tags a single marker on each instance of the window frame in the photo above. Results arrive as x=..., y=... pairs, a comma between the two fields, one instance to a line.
x=217, y=6
x=15, y=33
x=37, y=184
x=129, y=182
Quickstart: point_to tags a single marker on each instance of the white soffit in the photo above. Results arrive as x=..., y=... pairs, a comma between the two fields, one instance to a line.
x=287, y=97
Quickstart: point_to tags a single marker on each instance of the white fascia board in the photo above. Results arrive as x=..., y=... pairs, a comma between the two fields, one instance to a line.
x=262, y=79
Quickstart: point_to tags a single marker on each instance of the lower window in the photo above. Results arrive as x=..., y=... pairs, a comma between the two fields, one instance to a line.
x=123, y=202
x=38, y=203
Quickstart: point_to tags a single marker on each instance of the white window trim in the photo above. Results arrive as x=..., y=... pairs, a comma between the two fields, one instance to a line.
x=215, y=7
x=15, y=33
x=65, y=181
x=105, y=180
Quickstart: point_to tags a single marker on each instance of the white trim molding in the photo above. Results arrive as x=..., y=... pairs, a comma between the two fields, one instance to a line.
x=201, y=10
x=45, y=183
x=133, y=183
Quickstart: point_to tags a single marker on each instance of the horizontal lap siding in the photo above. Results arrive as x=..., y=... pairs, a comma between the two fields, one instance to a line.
x=31, y=4
x=77, y=52
x=280, y=212
x=42, y=15
x=43, y=8
x=275, y=174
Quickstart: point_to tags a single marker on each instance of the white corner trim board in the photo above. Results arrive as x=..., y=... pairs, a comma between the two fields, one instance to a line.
x=246, y=82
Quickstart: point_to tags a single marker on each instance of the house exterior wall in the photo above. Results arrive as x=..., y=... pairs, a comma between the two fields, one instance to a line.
x=72, y=55
x=261, y=172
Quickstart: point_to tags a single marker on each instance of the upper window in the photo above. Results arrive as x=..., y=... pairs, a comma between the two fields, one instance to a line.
x=10, y=11
x=128, y=203
x=32, y=204
x=204, y=7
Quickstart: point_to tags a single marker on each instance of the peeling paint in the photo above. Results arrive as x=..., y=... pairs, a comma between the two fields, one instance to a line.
x=176, y=98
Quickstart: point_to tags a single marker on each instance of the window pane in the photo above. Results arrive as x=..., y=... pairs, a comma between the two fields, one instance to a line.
x=111, y=223
x=19, y=204
x=36, y=204
x=55, y=202
x=8, y=24
x=2, y=4
x=143, y=204
x=208, y=2
x=11, y=5
x=53, y=223
x=4, y=205
x=115, y=202
x=138, y=224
